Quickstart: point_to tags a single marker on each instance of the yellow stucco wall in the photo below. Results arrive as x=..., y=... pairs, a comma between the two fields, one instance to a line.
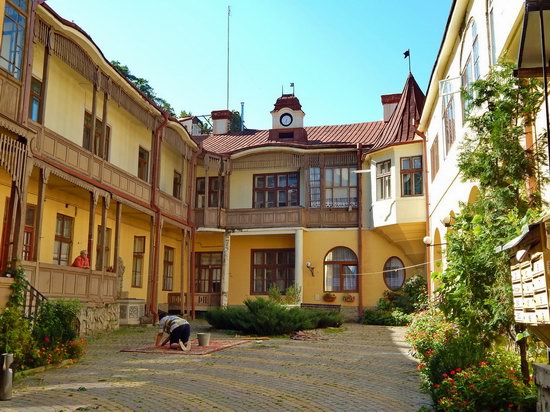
x=38, y=60
x=170, y=161
x=173, y=242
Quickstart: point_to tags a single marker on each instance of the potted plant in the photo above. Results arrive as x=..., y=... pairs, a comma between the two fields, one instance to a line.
x=348, y=297
x=329, y=297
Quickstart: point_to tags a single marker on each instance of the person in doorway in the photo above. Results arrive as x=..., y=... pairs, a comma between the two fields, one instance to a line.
x=82, y=260
x=177, y=329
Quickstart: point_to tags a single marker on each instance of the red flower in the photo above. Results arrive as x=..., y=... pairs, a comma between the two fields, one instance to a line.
x=46, y=339
x=452, y=372
x=510, y=405
x=445, y=375
x=458, y=369
x=436, y=385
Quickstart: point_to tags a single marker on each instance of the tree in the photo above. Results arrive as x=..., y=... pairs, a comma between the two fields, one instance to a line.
x=235, y=124
x=143, y=86
x=475, y=289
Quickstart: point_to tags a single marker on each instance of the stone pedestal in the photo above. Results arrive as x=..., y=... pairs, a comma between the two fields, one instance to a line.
x=131, y=310
x=98, y=318
x=5, y=291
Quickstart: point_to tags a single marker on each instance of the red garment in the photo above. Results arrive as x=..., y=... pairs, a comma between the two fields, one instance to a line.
x=81, y=262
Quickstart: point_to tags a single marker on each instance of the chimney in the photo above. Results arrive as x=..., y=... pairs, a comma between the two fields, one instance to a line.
x=389, y=103
x=221, y=119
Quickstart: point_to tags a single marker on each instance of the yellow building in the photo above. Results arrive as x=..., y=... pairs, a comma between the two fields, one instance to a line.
x=182, y=223
x=332, y=209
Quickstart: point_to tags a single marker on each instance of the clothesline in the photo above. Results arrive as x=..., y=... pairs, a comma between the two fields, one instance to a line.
x=391, y=270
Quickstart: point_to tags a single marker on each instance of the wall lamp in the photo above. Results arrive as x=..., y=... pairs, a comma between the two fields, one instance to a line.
x=311, y=268
x=427, y=240
x=446, y=220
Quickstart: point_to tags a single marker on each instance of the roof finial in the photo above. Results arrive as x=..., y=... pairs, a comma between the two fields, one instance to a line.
x=407, y=54
x=292, y=85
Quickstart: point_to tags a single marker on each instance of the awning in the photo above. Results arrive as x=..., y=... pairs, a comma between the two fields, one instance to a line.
x=531, y=55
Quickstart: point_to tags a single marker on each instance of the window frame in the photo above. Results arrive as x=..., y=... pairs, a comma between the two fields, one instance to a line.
x=29, y=235
x=98, y=138
x=199, y=267
x=10, y=66
x=470, y=69
x=386, y=269
x=329, y=200
x=200, y=190
x=341, y=264
x=176, y=185
x=168, y=269
x=412, y=172
x=290, y=277
x=35, y=97
x=107, y=259
x=138, y=255
x=448, y=117
x=383, y=191
x=276, y=189
x=63, y=240
x=314, y=187
x=143, y=164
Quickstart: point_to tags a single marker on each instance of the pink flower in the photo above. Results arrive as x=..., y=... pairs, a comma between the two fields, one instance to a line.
x=445, y=375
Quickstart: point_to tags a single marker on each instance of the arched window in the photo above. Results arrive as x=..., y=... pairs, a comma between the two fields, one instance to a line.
x=470, y=62
x=341, y=270
x=394, y=274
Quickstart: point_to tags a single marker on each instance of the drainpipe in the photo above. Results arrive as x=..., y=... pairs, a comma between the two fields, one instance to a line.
x=427, y=205
x=360, y=229
x=155, y=180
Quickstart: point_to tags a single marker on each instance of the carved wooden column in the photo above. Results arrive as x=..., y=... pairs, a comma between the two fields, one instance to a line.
x=94, y=116
x=45, y=79
x=103, y=150
x=103, y=233
x=116, y=247
x=21, y=207
x=206, y=185
x=182, y=269
x=91, y=226
x=299, y=261
x=322, y=184
x=43, y=176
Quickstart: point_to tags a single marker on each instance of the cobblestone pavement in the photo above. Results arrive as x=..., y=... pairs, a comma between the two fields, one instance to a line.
x=363, y=368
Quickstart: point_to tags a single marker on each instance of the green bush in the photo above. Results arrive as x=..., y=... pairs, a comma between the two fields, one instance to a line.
x=395, y=317
x=494, y=384
x=15, y=336
x=56, y=322
x=266, y=317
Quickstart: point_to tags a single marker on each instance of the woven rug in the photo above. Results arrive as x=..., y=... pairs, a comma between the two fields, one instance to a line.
x=215, y=346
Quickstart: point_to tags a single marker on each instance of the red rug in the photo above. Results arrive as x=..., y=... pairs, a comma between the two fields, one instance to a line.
x=215, y=345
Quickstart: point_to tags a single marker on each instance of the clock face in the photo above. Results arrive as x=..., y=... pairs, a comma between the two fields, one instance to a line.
x=286, y=119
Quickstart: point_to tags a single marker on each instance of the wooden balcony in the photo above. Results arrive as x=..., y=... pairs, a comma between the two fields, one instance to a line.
x=86, y=285
x=275, y=217
x=203, y=301
x=171, y=205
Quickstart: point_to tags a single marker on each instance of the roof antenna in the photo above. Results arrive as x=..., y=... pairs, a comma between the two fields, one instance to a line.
x=292, y=85
x=282, y=90
x=228, y=16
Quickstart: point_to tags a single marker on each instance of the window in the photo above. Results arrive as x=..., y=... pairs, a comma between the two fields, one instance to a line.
x=168, y=274
x=314, y=187
x=87, y=137
x=143, y=164
x=340, y=270
x=276, y=190
x=383, y=180
x=28, y=234
x=272, y=267
x=176, y=187
x=137, y=264
x=208, y=272
x=411, y=176
x=35, y=100
x=394, y=273
x=434, y=156
x=215, y=187
x=448, y=116
x=470, y=71
x=13, y=37
x=63, y=240
x=99, y=249
x=492, y=44
x=340, y=187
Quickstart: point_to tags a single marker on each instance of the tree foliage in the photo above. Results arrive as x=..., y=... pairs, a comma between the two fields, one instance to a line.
x=474, y=288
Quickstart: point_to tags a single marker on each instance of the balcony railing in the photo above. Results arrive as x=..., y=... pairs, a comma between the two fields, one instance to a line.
x=275, y=217
x=86, y=285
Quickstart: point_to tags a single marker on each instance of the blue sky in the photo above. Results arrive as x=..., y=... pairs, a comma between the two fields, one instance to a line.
x=341, y=55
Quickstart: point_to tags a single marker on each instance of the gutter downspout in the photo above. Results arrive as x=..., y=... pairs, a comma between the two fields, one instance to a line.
x=427, y=201
x=191, y=202
x=155, y=182
x=360, y=228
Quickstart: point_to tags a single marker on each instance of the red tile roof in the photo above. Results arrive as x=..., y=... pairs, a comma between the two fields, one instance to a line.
x=288, y=100
x=376, y=135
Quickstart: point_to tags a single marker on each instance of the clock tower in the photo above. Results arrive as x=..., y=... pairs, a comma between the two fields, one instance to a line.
x=287, y=113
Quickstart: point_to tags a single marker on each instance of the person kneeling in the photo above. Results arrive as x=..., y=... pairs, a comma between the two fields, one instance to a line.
x=177, y=329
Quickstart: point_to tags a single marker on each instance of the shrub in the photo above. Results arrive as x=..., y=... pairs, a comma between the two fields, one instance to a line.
x=15, y=336
x=395, y=317
x=266, y=317
x=494, y=384
x=290, y=297
x=56, y=322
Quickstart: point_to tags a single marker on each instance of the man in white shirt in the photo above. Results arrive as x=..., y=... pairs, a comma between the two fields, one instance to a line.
x=177, y=329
